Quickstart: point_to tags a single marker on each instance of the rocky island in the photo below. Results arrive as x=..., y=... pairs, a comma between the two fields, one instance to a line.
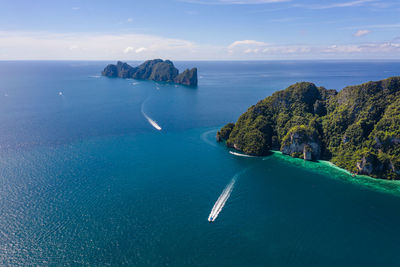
x=357, y=129
x=156, y=70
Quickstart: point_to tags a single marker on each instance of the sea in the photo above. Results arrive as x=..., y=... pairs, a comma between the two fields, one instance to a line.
x=98, y=171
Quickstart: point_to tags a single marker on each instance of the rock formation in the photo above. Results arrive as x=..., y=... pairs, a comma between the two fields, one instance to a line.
x=156, y=70
x=188, y=77
x=302, y=142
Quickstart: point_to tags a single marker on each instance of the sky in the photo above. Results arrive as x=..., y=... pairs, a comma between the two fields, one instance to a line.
x=199, y=29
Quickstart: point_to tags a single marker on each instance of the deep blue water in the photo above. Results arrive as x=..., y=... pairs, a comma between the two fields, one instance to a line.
x=86, y=180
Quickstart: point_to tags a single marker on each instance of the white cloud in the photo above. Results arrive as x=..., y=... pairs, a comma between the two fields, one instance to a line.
x=137, y=51
x=140, y=50
x=129, y=20
x=128, y=49
x=246, y=42
x=76, y=8
x=72, y=47
x=246, y=46
x=360, y=33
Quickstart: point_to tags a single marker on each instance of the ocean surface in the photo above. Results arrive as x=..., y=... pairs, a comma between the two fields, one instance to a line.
x=87, y=178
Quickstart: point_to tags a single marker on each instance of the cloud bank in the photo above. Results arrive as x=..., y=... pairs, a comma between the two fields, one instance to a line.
x=256, y=49
x=92, y=46
x=85, y=46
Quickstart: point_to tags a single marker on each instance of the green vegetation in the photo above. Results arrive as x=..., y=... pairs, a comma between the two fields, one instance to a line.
x=357, y=129
x=224, y=133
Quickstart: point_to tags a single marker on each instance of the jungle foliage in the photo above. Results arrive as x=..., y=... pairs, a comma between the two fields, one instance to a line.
x=360, y=125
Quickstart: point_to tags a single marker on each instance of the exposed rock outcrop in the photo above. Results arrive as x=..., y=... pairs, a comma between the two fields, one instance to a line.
x=395, y=167
x=301, y=142
x=368, y=165
x=156, y=70
x=307, y=152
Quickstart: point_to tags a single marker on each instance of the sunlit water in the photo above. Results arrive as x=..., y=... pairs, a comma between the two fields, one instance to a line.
x=86, y=178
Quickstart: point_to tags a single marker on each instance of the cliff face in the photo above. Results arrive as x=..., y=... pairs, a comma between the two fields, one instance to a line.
x=357, y=129
x=156, y=70
x=110, y=71
x=188, y=77
x=303, y=142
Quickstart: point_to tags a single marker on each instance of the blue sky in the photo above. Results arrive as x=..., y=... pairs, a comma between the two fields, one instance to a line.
x=200, y=29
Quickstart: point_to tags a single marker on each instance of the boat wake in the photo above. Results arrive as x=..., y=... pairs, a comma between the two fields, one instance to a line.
x=150, y=120
x=205, y=139
x=240, y=154
x=220, y=203
x=153, y=123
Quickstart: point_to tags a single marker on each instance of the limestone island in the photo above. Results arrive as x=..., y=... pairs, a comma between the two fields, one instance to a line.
x=357, y=129
x=156, y=70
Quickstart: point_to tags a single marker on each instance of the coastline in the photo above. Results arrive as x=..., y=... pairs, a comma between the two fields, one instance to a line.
x=329, y=169
x=333, y=171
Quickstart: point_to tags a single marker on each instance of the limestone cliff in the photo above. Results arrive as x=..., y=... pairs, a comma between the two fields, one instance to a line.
x=156, y=70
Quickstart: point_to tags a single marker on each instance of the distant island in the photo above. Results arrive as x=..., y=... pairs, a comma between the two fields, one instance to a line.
x=156, y=70
x=357, y=129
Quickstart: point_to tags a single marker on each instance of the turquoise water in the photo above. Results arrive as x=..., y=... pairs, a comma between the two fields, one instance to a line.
x=86, y=180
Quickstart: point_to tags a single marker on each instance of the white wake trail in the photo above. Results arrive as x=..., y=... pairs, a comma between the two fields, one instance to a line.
x=150, y=120
x=153, y=123
x=220, y=203
x=240, y=155
x=205, y=139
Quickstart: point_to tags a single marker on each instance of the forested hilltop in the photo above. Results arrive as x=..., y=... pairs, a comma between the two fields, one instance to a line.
x=357, y=128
